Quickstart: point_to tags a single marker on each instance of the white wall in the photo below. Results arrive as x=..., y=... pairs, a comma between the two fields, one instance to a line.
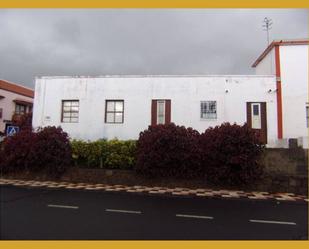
x=185, y=93
x=294, y=81
x=267, y=66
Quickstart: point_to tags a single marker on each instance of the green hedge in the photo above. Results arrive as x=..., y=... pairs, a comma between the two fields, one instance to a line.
x=112, y=154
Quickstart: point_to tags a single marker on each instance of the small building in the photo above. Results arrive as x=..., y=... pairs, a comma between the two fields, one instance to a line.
x=288, y=61
x=121, y=106
x=15, y=100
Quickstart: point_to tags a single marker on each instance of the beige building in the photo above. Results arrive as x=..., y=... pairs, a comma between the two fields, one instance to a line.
x=15, y=100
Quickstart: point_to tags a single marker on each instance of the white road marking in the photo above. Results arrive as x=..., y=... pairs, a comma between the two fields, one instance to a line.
x=194, y=216
x=274, y=222
x=62, y=206
x=123, y=211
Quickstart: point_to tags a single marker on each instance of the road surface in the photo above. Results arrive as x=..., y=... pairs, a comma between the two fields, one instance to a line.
x=31, y=214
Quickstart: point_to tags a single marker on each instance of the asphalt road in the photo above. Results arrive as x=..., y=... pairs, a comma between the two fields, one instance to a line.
x=36, y=214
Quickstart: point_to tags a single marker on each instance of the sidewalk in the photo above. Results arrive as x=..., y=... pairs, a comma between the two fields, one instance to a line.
x=206, y=193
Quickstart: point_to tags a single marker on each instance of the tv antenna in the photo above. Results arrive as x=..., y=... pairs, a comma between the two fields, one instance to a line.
x=267, y=26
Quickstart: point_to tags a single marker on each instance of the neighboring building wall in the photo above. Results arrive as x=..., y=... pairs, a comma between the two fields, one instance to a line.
x=8, y=106
x=294, y=82
x=185, y=93
x=292, y=79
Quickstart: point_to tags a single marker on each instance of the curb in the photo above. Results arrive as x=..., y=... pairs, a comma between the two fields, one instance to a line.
x=201, y=192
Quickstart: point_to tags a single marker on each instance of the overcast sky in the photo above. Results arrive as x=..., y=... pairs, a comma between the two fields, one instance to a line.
x=142, y=41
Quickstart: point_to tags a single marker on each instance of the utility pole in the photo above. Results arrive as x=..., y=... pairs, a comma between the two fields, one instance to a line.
x=266, y=27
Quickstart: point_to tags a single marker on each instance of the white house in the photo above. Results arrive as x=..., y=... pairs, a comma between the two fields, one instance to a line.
x=288, y=60
x=121, y=106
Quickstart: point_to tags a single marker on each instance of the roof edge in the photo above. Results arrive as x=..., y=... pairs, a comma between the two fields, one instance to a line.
x=16, y=88
x=153, y=76
x=279, y=43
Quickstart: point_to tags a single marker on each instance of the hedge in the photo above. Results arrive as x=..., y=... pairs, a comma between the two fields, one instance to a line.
x=51, y=151
x=168, y=150
x=112, y=154
x=15, y=152
x=47, y=149
x=230, y=153
x=225, y=154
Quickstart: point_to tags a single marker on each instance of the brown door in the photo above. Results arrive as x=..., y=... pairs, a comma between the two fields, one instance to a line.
x=257, y=118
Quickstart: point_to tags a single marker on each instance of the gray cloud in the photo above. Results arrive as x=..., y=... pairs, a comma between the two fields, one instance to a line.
x=127, y=41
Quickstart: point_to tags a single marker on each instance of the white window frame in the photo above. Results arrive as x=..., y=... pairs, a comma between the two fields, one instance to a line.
x=259, y=116
x=158, y=114
x=114, y=112
x=208, y=115
x=70, y=115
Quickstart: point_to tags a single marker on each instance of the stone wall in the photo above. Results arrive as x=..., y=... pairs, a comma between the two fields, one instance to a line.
x=286, y=170
x=293, y=161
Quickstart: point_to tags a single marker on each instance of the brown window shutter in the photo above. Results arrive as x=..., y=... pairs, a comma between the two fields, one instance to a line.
x=167, y=111
x=153, y=112
x=264, y=121
x=249, y=114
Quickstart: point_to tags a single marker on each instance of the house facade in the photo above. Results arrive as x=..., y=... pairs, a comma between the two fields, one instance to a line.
x=121, y=106
x=15, y=100
x=288, y=61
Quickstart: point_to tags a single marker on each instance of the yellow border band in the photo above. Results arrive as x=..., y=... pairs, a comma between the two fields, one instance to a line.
x=154, y=4
x=155, y=244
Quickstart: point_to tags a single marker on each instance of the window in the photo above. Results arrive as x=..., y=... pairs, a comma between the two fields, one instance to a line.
x=256, y=118
x=256, y=110
x=307, y=115
x=114, y=111
x=208, y=109
x=30, y=108
x=20, y=109
x=161, y=112
x=70, y=111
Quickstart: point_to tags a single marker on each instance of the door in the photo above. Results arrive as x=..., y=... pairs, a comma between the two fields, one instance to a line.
x=256, y=118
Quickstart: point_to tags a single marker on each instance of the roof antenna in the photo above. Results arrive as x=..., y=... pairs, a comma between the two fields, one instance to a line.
x=266, y=27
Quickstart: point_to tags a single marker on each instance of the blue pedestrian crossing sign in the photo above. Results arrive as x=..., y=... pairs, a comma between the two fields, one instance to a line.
x=11, y=130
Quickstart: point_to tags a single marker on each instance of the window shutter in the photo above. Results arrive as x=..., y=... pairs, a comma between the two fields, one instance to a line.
x=153, y=112
x=249, y=114
x=264, y=121
x=167, y=111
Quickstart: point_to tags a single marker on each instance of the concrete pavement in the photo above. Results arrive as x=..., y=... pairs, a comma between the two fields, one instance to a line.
x=206, y=193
